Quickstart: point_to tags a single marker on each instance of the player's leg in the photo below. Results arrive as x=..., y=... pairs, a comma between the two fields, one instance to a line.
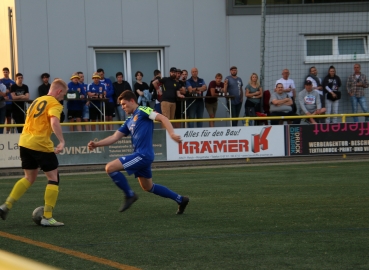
x=144, y=176
x=20, y=187
x=51, y=196
x=30, y=167
x=49, y=164
x=113, y=169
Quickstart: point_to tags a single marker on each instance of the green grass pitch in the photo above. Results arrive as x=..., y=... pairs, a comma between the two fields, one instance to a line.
x=293, y=216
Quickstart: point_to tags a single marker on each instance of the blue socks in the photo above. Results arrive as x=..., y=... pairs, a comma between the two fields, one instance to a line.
x=165, y=192
x=121, y=181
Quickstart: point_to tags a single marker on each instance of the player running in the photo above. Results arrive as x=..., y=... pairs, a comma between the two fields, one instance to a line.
x=140, y=126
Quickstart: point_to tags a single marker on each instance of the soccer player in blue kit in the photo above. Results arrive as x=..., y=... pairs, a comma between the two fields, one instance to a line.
x=140, y=126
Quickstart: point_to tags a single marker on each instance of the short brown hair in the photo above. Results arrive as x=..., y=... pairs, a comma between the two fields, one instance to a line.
x=218, y=75
x=127, y=95
x=58, y=83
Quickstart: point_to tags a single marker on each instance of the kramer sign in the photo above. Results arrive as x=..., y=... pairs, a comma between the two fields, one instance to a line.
x=232, y=142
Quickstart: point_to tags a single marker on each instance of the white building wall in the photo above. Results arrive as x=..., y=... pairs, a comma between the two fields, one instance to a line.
x=59, y=37
x=5, y=59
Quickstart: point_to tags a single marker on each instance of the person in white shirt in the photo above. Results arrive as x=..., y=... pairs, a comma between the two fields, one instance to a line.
x=288, y=84
x=288, y=87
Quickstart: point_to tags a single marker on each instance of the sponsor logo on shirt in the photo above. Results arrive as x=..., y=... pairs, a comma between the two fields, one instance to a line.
x=309, y=99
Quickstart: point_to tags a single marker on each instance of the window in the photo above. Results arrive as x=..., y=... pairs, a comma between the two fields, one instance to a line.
x=336, y=48
x=292, y=2
x=128, y=61
x=280, y=7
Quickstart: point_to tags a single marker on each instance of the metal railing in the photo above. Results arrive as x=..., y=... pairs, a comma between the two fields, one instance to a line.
x=246, y=119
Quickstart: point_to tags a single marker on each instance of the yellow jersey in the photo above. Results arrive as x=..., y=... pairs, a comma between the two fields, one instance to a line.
x=37, y=128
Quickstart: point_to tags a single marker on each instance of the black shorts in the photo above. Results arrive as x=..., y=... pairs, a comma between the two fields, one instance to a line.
x=73, y=114
x=32, y=160
x=9, y=110
x=109, y=109
x=94, y=113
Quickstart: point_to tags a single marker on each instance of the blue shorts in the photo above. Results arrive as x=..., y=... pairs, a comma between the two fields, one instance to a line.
x=137, y=164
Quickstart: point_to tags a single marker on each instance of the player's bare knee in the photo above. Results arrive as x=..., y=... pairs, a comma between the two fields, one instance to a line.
x=108, y=168
x=146, y=188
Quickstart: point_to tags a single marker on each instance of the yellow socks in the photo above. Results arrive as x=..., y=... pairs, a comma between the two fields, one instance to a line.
x=18, y=190
x=51, y=196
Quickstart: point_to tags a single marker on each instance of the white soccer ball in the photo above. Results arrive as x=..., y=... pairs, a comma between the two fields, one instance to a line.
x=37, y=215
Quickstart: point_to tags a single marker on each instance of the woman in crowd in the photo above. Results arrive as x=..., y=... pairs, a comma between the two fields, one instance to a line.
x=141, y=89
x=331, y=85
x=253, y=93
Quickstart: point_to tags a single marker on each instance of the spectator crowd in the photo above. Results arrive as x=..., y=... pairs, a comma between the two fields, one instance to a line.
x=166, y=95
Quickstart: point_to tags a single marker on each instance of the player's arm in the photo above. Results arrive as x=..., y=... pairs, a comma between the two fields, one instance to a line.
x=57, y=129
x=157, y=87
x=168, y=126
x=107, y=141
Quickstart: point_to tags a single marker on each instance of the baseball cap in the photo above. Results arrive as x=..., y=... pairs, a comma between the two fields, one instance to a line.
x=74, y=75
x=173, y=69
x=233, y=67
x=96, y=75
x=308, y=82
x=178, y=70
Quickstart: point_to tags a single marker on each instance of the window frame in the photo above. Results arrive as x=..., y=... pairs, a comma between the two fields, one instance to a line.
x=126, y=51
x=336, y=57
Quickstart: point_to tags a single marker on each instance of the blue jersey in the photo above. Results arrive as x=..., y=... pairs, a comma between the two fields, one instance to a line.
x=141, y=129
x=109, y=89
x=8, y=83
x=75, y=104
x=96, y=89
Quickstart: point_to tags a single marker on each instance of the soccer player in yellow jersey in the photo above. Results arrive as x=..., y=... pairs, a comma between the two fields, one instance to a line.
x=37, y=150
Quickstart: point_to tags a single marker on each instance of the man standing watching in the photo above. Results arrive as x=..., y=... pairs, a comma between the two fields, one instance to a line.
x=8, y=83
x=234, y=88
x=3, y=98
x=44, y=88
x=310, y=102
x=119, y=87
x=109, y=94
x=37, y=151
x=95, y=90
x=317, y=83
x=355, y=88
x=196, y=86
x=171, y=90
x=179, y=103
x=216, y=88
x=156, y=93
x=20, y=93
x=86, y=106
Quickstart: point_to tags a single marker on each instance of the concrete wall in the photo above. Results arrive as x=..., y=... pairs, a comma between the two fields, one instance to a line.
x=5, y=59
x=56, y=38
x=60, y=37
